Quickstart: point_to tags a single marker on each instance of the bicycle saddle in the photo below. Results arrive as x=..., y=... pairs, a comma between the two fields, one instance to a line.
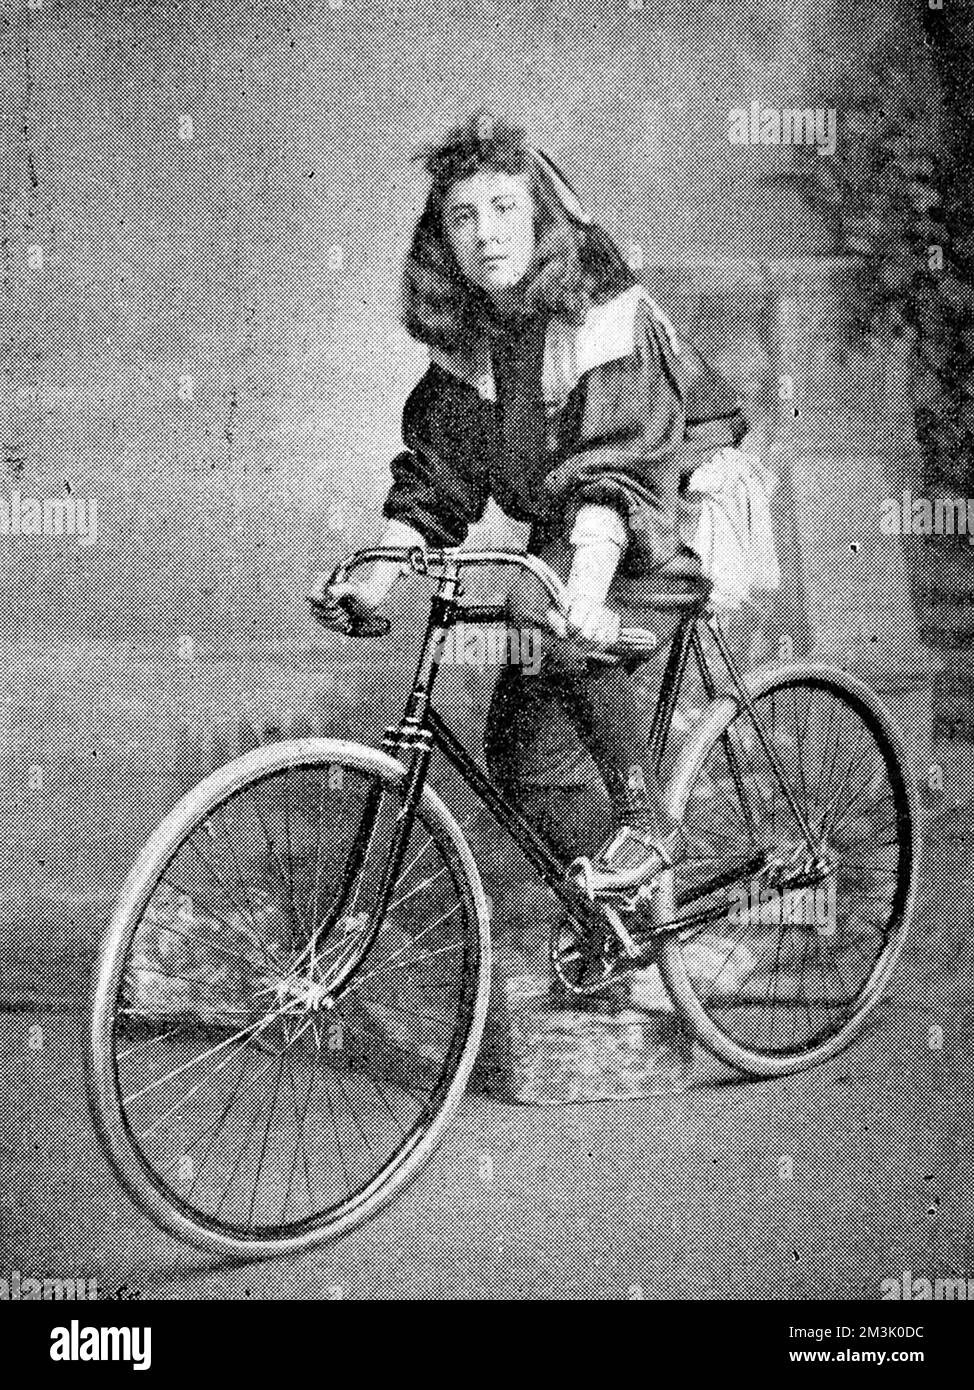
x=685, y=564
x=677, y=585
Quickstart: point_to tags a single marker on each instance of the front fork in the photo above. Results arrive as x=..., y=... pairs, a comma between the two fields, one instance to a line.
x=412, y=743
x=341, y=976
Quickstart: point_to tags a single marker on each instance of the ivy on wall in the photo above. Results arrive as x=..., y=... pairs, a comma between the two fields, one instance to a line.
x=897, y=194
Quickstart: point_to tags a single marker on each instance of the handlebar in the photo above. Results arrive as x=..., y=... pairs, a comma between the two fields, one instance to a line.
x=447, y=564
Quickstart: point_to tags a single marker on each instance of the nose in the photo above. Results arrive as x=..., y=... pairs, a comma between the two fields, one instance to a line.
x=486, y=231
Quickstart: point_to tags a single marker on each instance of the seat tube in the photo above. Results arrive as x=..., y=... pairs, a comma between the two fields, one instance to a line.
x=669, y=691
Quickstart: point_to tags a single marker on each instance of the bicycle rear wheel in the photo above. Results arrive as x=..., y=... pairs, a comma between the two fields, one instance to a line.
x=778, y=967
x=242, y=1109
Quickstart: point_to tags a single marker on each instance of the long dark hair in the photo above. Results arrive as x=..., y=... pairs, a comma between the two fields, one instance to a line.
x=575, y=263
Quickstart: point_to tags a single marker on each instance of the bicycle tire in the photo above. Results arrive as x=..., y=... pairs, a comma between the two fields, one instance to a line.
x=156, y=1197
x=696, y=755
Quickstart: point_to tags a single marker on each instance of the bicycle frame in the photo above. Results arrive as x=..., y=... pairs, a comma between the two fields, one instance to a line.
x=422, y=728
x=419, y=1027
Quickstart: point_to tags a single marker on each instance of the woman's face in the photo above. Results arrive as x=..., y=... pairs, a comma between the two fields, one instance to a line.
x=488, y=222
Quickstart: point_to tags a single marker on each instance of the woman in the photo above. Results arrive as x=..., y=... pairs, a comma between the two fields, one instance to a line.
x=556, y=387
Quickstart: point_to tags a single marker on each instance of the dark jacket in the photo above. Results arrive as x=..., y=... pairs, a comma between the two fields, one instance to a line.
x=630, y=411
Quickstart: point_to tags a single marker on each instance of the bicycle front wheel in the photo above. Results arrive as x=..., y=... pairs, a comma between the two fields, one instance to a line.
x=778, y=965
x=246, y=1105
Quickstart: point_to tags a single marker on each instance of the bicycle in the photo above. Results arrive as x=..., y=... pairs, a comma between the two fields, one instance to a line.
x=292, y=990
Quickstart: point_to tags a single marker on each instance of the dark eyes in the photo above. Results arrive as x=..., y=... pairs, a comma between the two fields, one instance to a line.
x=462, y=215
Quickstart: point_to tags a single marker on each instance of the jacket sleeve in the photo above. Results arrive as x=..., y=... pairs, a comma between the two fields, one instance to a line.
x=627, y=444
x=439, y=484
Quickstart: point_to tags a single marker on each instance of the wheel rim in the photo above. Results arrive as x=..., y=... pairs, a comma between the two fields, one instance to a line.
x=795, y=953
x=248, y=1107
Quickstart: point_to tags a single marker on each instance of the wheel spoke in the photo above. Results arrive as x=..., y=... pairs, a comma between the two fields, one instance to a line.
x=245, y=1099
x=784, y=983
x=285, y=875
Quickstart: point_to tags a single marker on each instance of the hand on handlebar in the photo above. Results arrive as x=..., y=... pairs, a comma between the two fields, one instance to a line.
x=585, y=620
x=538, y=598
x=349, y=609
x=584, y=626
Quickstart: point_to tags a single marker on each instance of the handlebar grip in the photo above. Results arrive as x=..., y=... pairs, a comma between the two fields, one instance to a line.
x=340, y=615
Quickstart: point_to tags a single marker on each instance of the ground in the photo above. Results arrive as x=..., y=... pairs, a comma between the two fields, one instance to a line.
x=819, y=1185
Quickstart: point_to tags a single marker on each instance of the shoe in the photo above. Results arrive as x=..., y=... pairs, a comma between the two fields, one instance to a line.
x=631, y=859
